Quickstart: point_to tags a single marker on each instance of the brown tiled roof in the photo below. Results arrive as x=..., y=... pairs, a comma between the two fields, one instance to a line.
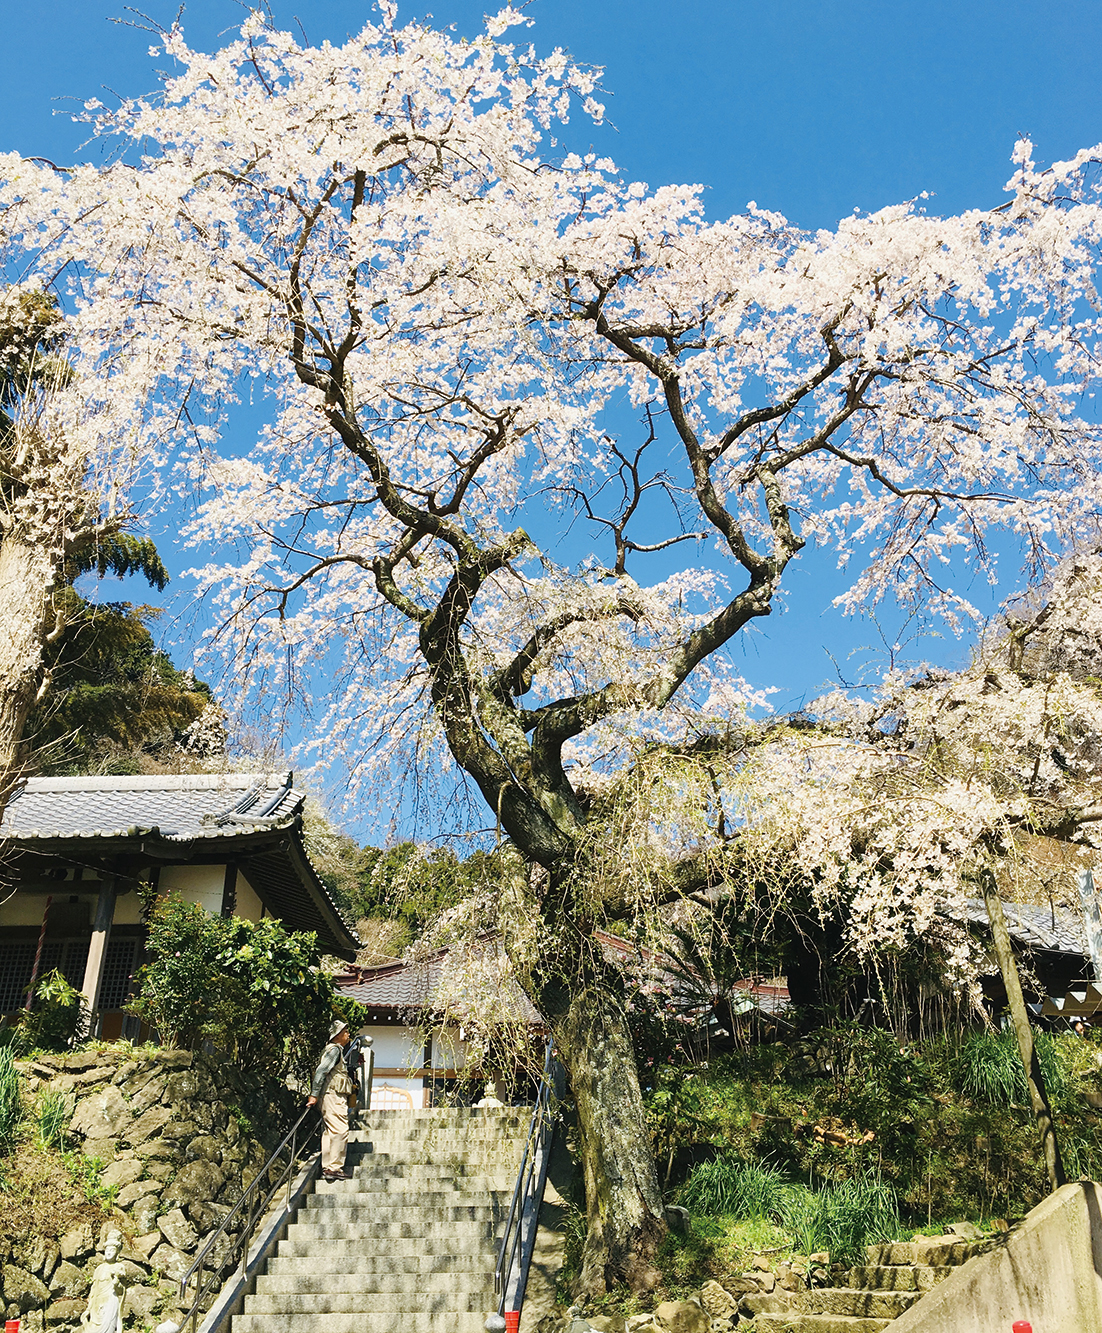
x=402, y=987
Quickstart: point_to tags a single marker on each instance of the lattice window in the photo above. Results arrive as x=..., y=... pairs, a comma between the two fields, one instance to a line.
x=117, y=969
x=16, y=961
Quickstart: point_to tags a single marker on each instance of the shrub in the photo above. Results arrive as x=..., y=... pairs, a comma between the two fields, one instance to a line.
x=727, y=1185
x=252, y=989
x=57, y=1019
x=988, y=1069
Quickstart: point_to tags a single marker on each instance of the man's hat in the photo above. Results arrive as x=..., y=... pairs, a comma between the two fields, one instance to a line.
x=337, y=1028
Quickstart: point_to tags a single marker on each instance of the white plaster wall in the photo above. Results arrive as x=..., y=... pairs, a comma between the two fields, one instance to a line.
x=397, y=1048
x=197, y=884
x=249, y=907
x=449, y=1051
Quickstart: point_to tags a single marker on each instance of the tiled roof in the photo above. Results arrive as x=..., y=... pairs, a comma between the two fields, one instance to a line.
x=433, y=985
x=178, y=808
x=1054, y=929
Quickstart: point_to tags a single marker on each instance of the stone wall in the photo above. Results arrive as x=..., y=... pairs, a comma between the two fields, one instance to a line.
x=181, y=1137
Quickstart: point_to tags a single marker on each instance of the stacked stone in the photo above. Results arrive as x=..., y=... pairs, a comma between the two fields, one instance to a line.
x=167, y=1129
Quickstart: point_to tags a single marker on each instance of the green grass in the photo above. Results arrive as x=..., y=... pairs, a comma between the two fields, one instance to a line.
x=727, y=1185
x=53, y=1113
x=11, y=1110
x=988, y=1068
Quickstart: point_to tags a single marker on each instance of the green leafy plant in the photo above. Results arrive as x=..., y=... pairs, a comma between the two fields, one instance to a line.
x=53, y=1113
x=252, y=989
x=727, y=1185
x=842, y=1217
x=987, y=1067
x=87, y=1173
x=11, y=1106
x=57, y=1020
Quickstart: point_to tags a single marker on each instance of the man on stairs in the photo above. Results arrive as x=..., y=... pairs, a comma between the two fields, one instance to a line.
x=334, y=1089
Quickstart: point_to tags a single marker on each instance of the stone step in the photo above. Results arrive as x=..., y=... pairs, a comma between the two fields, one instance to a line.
x=937, y=1251
x=455, y=1322
x=419, y=1303
x=456, y=1211
x=904, y=1277
x=851, y=1301
x=427, y=1203
x=337, y=1193
x=340, y=1255
x=811, y=1323
x=415, y=1261
x=456, y=1175
x=335, y=1284
x=357, y=1238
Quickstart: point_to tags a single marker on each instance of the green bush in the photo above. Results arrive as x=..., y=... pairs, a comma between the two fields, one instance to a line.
x=727, y=1185
x=57, y=1020
x=987, y=1067
x=252, y=989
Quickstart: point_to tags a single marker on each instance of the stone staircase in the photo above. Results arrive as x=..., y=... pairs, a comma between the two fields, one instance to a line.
x=410, y=1241
x=870, y=1296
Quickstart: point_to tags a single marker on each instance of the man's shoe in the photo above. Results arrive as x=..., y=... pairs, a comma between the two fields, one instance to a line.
x=336, y=1175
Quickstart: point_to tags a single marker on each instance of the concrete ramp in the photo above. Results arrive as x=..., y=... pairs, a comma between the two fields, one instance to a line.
x=1048, y=1271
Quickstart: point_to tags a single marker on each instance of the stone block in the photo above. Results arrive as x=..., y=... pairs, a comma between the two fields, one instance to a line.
x=176, y=1129
x=207, y=1216
x=174, y=1059
x=141, y=1302
x=131, y=1193
x=93, y=1076
x=69, y=1281
x=160, y=1170
x=124, y=1071
x=170, y=1261
x=177, y=1230
x=144, y=1214
x=80, y=1061
x=150, y=1093
x=206, y=1147
x=145, y=1245
x=38, y=1255
x=122, y=1171
x=717, y=1301
x=23, y=1289
x=195, y=1182
x=156, y=1148
x=65, y=1311
x=682, y=1317
x=78, y=1242
x=939, y=1250
x=103, y=1150
x=101, y=1115
x=147, y=1124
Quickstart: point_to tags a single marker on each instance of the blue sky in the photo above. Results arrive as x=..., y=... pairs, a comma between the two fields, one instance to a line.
x=810, y=108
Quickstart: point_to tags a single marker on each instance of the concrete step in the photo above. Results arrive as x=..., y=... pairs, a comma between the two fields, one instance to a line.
x=420, y=1174
x=332, y=1284
x=454, y=1322
x=429, y=1201
x=810, y=1323
x=340, y=1256
x=915, y=1277
x=415, y=1264
x=939, y=1251
x=417, y=1303
x=849, y=1301
x=461, y=1211
x=337, y=1193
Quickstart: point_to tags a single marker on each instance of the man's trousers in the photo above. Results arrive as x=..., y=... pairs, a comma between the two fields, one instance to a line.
x=334, y=1141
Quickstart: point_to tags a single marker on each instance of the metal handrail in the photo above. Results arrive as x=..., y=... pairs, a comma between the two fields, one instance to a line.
x=530, y=1181
x=255, y=1212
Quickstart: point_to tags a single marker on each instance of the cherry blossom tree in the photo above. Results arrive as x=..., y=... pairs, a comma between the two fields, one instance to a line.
x=447, y=309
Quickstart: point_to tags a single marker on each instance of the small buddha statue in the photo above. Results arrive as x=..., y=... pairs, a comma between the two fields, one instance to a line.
x=104, y=1312
x=489, y=1095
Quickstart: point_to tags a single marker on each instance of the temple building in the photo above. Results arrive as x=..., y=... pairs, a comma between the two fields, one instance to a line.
x=85, y=857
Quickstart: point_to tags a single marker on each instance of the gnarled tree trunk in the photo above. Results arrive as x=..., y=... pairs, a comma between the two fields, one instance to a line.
x=28, y=572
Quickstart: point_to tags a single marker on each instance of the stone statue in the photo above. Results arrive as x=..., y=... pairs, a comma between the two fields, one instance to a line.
x=489, y=1097
x=104, y=1312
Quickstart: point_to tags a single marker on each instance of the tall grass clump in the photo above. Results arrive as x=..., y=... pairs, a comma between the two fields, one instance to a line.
x=842, y=1217
x=987, y=1068
x=727, y=1185
x=10, y=1108
x=52, y=1113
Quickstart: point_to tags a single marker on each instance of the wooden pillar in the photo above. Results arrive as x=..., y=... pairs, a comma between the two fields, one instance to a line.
x=229, y=891
x=97, y=952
